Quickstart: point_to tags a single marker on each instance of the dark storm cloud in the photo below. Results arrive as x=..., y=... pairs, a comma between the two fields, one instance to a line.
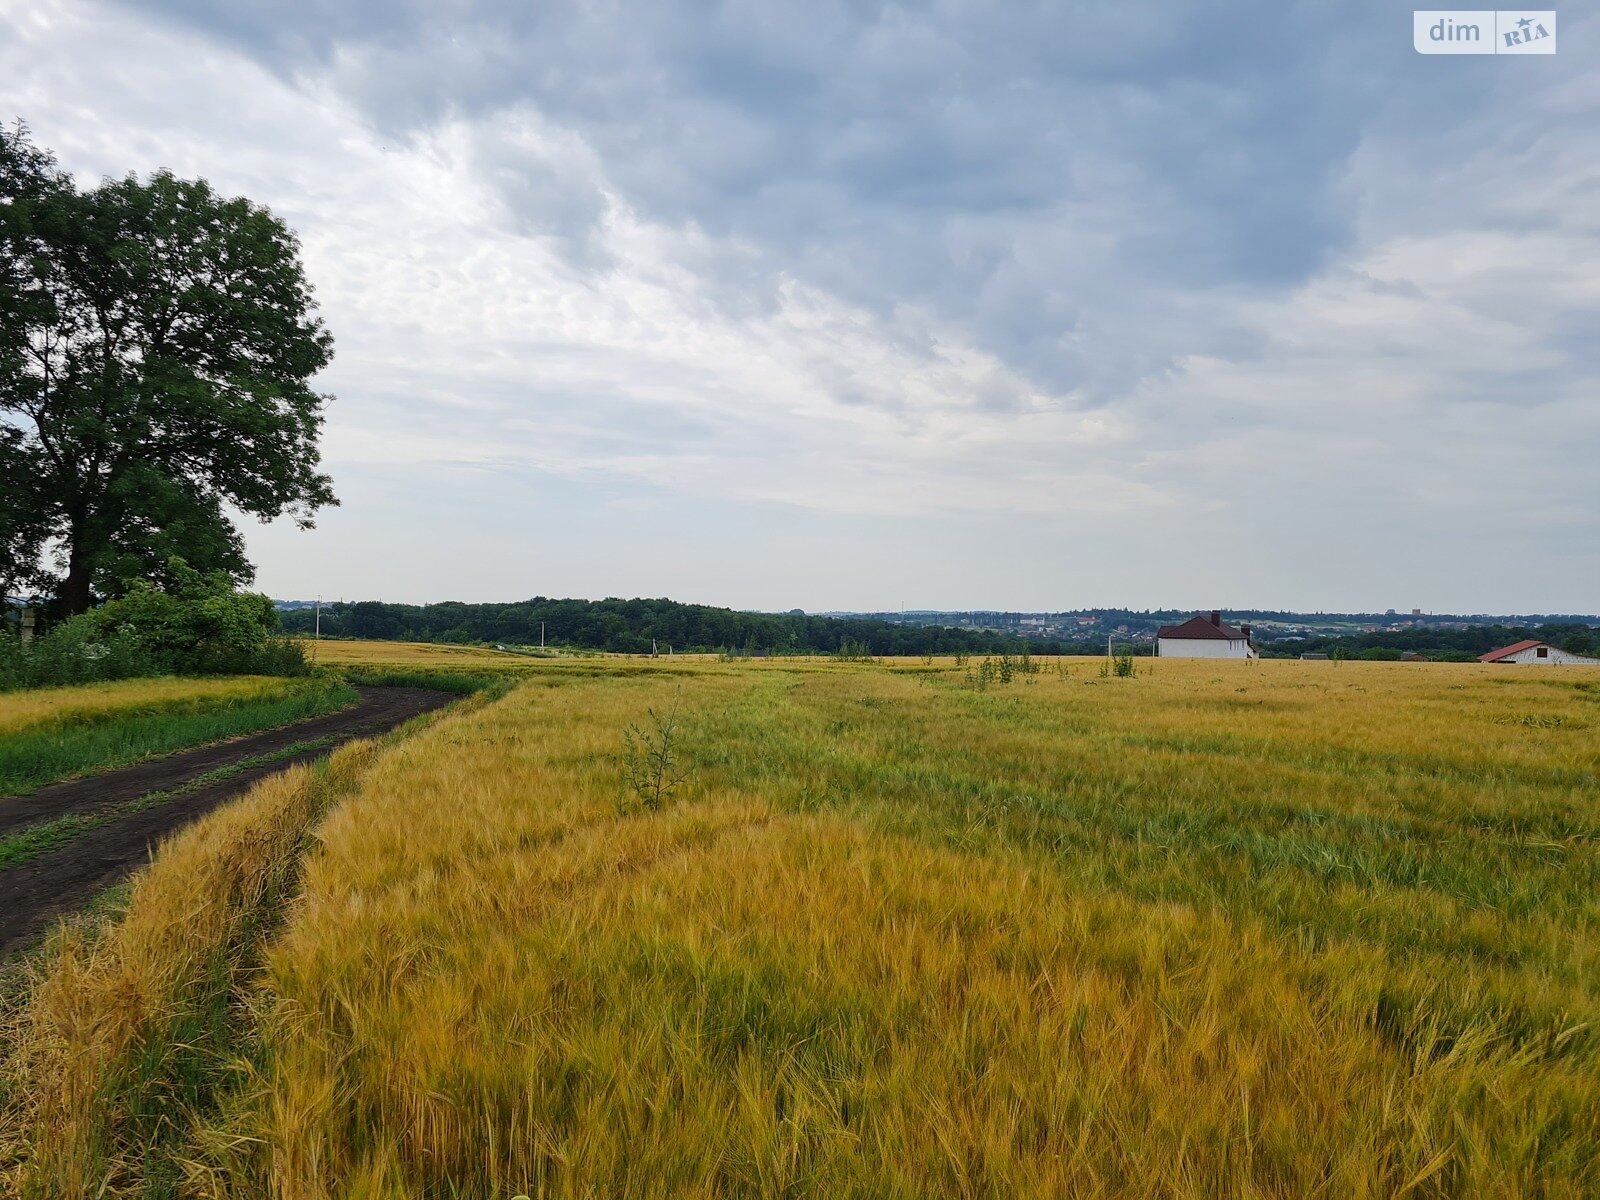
x=1022, y=169
x=1146, y=269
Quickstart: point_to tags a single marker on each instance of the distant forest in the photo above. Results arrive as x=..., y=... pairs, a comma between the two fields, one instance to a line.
x=1440, y=644
x=630, y=627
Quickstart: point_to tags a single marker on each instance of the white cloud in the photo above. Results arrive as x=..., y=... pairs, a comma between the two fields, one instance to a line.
x=505, y=298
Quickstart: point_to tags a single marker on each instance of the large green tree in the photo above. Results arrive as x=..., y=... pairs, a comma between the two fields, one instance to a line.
x=157, y=346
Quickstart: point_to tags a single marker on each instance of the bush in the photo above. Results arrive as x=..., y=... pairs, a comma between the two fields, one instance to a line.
x=72, y=653
x=200, y=627
x=856, y=652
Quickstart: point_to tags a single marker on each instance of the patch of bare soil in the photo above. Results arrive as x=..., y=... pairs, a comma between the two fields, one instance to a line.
x=62, y=880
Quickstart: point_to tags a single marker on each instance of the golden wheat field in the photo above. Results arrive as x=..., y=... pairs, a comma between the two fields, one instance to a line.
x=353, y=652
x=1219, y=929
x=97, y=702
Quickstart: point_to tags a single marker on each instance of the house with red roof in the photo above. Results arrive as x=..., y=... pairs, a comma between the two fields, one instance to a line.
x=1205, y=637
x=1538, y=652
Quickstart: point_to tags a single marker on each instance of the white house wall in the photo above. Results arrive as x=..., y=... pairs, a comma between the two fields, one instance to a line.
x=1203, y=648
x=1557, y=658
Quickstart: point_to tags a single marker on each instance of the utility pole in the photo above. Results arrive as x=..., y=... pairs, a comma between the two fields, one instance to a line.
x=316, y=636
x=541, y=635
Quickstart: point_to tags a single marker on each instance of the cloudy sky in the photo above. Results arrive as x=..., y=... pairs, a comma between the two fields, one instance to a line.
x=862, y=305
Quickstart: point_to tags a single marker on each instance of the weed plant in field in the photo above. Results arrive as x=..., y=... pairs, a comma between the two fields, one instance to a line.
x=654, y=764
x=1002, y=670
x=854, y=652
x=1119, y=666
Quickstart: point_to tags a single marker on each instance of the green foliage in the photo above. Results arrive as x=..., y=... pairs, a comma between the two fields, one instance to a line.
x=1118, y=665
x=1442, y=645
x=32, y=758
x=1002, y=670
x=74, y=652
x=852, y=651
x=653, y=767
x=157, y=342
x=202, y=626
x=632, y=626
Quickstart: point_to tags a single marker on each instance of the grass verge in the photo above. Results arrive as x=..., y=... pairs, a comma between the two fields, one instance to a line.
x=100, y=703
x=52, y=835
x=34, y=757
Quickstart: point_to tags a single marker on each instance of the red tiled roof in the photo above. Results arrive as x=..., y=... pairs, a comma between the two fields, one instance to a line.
x=1201, y=627
x=1508, y=651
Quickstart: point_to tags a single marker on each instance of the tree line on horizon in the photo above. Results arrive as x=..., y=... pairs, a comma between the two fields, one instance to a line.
x=1442, y=644
x=635, y=626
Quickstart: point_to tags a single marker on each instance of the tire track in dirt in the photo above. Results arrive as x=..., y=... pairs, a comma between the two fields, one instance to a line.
x=60, y=881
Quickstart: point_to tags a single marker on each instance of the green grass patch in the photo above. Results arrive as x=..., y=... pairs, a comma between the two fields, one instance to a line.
x=52, y=835
x=33, y=758
x=438, y=681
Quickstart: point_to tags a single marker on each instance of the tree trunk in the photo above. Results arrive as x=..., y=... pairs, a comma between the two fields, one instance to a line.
x=75, y=596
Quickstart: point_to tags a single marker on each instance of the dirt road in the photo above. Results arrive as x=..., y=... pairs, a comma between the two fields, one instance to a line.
x=34, y=893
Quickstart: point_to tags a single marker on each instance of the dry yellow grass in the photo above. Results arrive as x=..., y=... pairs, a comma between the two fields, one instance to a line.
x=1282, y=930
x=112, y=1045
x=431, y=655
x=106, y=701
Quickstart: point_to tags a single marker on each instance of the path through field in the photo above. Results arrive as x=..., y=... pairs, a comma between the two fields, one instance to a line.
x=61, y=880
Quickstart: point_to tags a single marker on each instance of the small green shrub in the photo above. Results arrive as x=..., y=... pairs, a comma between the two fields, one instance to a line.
x=857, y=652
x=72, y=653
x=1118, y=665
x=200, y=626
x=652, y=763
